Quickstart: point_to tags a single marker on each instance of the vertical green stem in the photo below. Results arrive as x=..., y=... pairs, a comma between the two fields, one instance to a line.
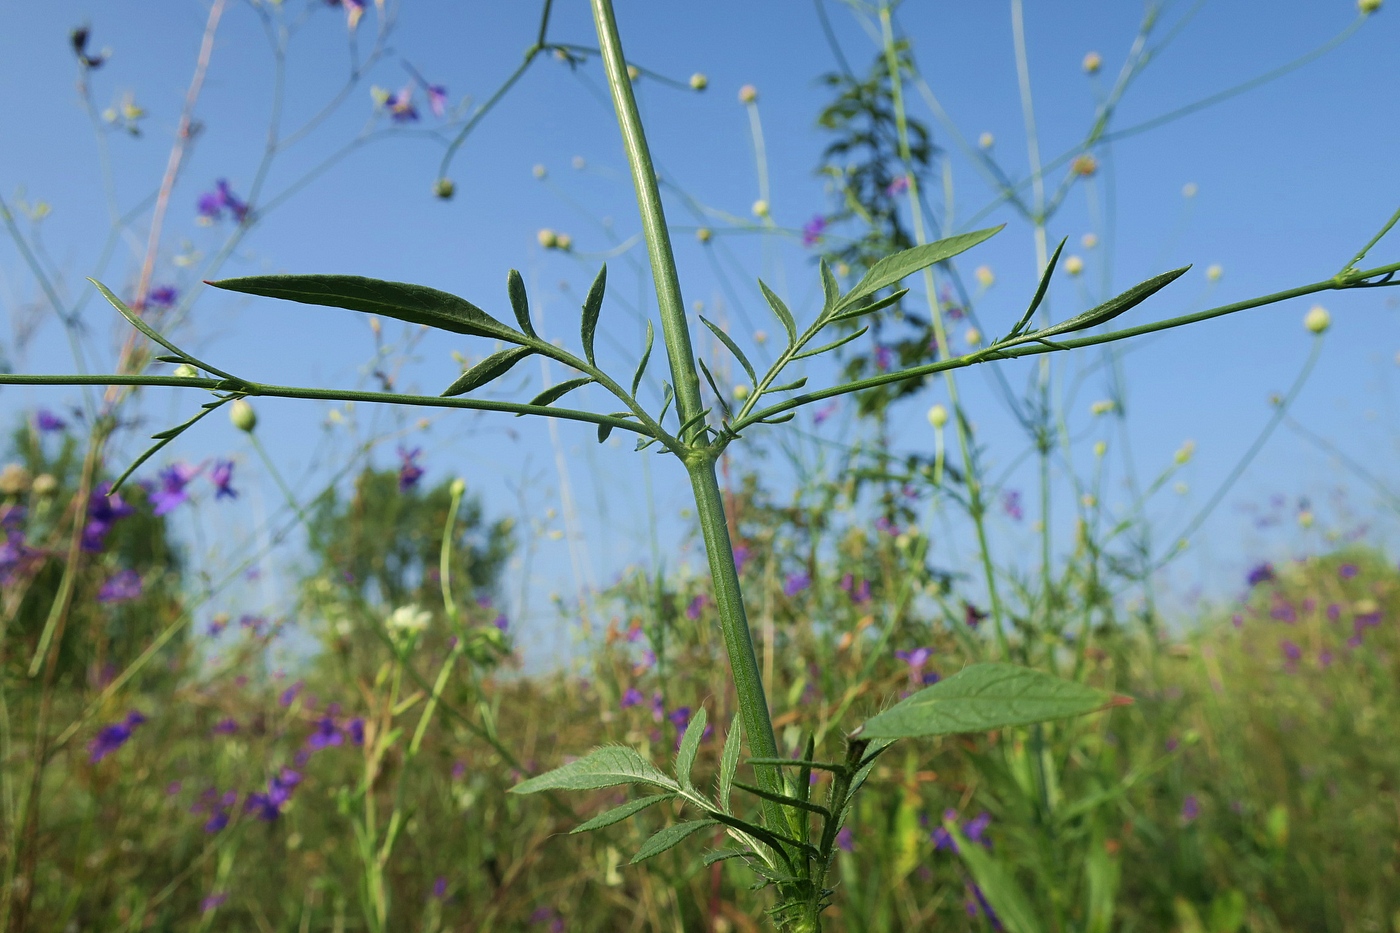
x=748, y=682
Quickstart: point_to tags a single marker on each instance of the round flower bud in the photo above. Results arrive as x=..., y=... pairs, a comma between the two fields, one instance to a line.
x=564, y=241
x=748, y=94
x=985, y=278
x=704, y=234
x=1190, y=189
x=243, y=416
x=45, y=485
x=1101, y=407
x=986, y=141
x=760, y=208
x=1089, y=240
x=741, y=392
x=1074, y=265
x=458, y=487
x=1100, y=448
x=539, y=171
x=1092, y=63
x=14, y=480
x=1214, y=272
x=698, y=81
x=1305, y=517
x=547, y=238
x=444, y=188
x=1317, y=319
x=973, y=337
x=633, y=73
x=1367, y=7
x=1085, y=166
x=760, y=336
x=938, y=416
x=185, y=371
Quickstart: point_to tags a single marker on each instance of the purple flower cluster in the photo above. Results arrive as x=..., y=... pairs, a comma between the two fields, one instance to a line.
x=171, y=493
x=123, y=586
x=212, y=204
x=1260, y=573
x=1011, y=503
x=222, y=478
x=15, y=555
x=409, y=470
x=216, y=806
x=859, y=592
x=104, y=510
x=47, y=422
x=974, y=831
x=813, y=229
x=976, y=903
x=268, y=806
x=113, y=736
x=917, y=660
x=796, y=583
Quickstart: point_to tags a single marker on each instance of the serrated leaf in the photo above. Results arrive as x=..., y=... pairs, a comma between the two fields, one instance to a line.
x=729, y=761
x=733, y=348
x=833, y=345
x=555, y=392
x=669, y=838
x=618, y=814
x=1110, y=309
x=646, y=355
x=983, y=697
x=592, y=306
x=781, y=310
x=608, y=766
x=831, y=289
x=416, y=304
x=690, y=744
x=1040, y=290
x=493, y=367
x=520, y=302
x=1003, y=894
x=891, y=269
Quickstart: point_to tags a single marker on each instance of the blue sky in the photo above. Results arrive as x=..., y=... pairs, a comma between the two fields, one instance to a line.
x=1291, y=179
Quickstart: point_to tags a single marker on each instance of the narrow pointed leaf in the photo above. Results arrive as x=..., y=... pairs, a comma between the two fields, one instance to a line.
x=720, y=855
x=135, y=321
x=415, y=304
x=877, y=305
x=729, y=761
x=789, y=386
x=1040, y=291
x=519, y=302
x=603, y=767
x=831, y=289
x=618, y=814
x=555, y=392
x=668, y=395
x=669, y=838
x=781, y=310
x=592, y=305
x=831, y=346
x=714, y=387
x=984, y=697
x=891, y=269
x=493, y=367
x=646, y=356
x=733, y=348
x=1114, y=306
x=690, y=744
x=784, y=799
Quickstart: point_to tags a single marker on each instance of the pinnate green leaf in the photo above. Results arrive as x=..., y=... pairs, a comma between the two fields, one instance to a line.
x=983, y=697
x=690, y=744
x=669, y=838
x=416, y=304
x=618, y=814
x=493, y=367
x=608, y=766
x=891, y=269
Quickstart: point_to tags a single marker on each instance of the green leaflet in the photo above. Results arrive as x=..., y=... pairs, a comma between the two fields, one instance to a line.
x=1040, y=290
x=592, y=307
x=646, y=355
x=690, y=744
x=733, y=348
x=831, y=289
x=493, y=367
x=555, y=392
x=1113, y=307
x=519, y=303
x=781, y=310
x=668, y=838
x=603, y=767
x=891, y=269
x=618, y=814
x=416, y=304
x=987, y=696
x=729, y=761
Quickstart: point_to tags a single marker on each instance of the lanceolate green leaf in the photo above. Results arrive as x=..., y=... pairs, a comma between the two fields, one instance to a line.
x=729, y=761
x=618, y=814
x=876, y=305
x=519, y=302
x=592, y=306
x=690, y=744
x=831, y=289
x=604, y=767
x=493, y=367
x=646, y=356
x=416, y=304
x=555, y=392
x=669, y=838
x=781, y=310
x=1040, y=290
x=984, y=697
x=733, y=348
x=1114, y=306
x=891, y=269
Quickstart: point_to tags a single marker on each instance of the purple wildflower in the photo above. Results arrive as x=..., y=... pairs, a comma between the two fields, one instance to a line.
x=437, y=99
x=440, y=887
x=1260, y=573
x=1284, y=612
x=1011, y=502
x=697, y=606
x=741, y=557
x=46, y=421
x=885, y=525
x=103, y=512
x=173, y=480
x=1291, y=651
x=972, y=615
x=162, y=297
x=845, y=839
x=631, y=697
x=550, y=916
x=943, y=840
x=112, y=737
x=289, y=695
x=400, y=105
x=256, y=625
x=217, y=625
x=916, y=660
x=1324, y=659
x=898, y=186
x=14, y=555
x=796, y=583
x=975, y=829
x=680, y=717
x=226, y=726
x=212, y=204
x=268, y=806
x=222, y=478
x=356, y=730
x=812, y=230
x=1347, y=571
x=658, y=710
x=122, y=587
x=1190, y=809
x=459, y=770
x=325, y=734
x=409, y=470
x=1334, y=612
x=977, y=903
x=884, y=358
x=213, y=902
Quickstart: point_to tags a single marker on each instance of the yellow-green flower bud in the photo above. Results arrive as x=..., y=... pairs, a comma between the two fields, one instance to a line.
x=704, y=234
x=1190, y=189
x=564, y=241
x=1092, y=63
x=458, y=487
x=985, y=278
x=1101, y=407
x=1184, y=452
x=938, y=416
x=1100, y=448
x=185, y=371
x=973, y=337
x=1367, y=7
x=633, y=73
x=1214, y=272
x=1317, y=319
x=698, y=81
x=1089, y=240
x=548, y=238
x=45, y=485
x=14, y=480
x=760, y=208
x=986, y=141
x=1074, y=265
x=444, y=189
x=741, y=392
x=243, y=416
x=539, y=171
x=748, y=94
x=1086, y=166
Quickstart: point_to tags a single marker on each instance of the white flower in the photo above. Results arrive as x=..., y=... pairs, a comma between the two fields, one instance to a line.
x=409, y=620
